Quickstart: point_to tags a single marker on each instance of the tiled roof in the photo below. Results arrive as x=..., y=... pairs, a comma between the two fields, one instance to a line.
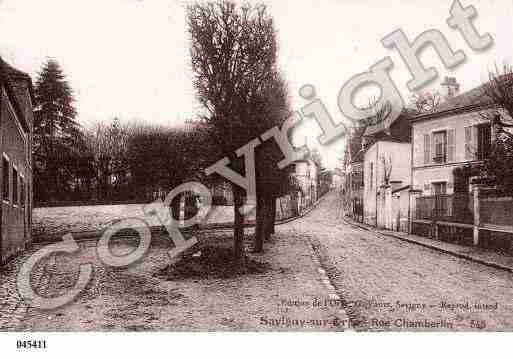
x=8, y=75
x=470, y=98
x=467, y=100
x=387, y=138
x=384, y=125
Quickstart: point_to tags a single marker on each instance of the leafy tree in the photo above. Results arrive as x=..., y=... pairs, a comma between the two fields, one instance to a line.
x=497, y=170
x=57, y=136
x=497, y=102
x=270, y=109
x=160, y=158
x=149, y=152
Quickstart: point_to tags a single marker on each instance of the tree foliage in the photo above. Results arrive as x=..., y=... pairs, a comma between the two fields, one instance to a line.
x=58, y=139
x=269, y=109
x=497, y=98
x=497, y=170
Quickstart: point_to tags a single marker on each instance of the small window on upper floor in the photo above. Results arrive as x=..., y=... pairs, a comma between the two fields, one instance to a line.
x=484, y=141
x=5, y=178
x=440, y=147
x=478, y=142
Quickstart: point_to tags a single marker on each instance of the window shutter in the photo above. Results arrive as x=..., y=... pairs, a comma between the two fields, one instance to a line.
x=475, y=141
x=468, y=143
x=427, y=149
x=451, y=145
x=433, y=147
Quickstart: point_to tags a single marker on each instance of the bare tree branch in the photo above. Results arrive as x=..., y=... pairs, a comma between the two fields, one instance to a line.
x=426, y=102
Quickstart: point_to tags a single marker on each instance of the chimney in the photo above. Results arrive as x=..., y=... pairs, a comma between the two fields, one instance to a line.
x=450, y=87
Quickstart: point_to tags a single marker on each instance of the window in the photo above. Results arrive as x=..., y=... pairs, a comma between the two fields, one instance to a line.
x=484, y=141
x=451, y=145
x=439, y=188
x=427, y=149
x=440, y=146
x=469, y=142
x=15, y=186
x=5, y=178
x=478, y=142
x=441, y=207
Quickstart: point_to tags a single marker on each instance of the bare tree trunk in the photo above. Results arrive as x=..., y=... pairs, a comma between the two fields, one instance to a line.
x=258, y=246
x=238, y=228
x=273, y=215
x=268, y=220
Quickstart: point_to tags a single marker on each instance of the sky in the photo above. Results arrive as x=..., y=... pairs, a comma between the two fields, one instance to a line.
x=130, y=58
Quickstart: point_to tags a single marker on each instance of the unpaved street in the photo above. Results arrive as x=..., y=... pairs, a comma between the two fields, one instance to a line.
x=388, y=283
x=141, y=298
x=384, y=284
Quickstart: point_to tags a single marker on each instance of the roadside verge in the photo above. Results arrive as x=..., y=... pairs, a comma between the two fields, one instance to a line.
x=478, y=255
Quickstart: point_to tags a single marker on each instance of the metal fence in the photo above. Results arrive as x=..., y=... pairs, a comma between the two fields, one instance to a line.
x=458, y=208
x=484, y=219
x=287, y=207
x=496, y=211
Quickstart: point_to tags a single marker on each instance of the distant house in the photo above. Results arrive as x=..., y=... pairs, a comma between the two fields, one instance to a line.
x=386, y=183
x=16, y=130
x=222, y=193
x=306, y=173
x=338, y=180
x=362, y=166
x=352, y=192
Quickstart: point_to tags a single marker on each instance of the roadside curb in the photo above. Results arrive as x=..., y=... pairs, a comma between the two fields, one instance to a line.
x=92, y=235
x=330, y=287
x=432, y=247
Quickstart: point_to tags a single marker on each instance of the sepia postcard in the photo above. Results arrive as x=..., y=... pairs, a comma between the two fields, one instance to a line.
x=255, y=166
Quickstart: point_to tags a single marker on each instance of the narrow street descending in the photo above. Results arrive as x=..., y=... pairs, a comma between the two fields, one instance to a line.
x=389, y=284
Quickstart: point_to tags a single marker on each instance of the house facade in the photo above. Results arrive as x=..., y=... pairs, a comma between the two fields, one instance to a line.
x=359, y=202
x=352, y=191
x=449, y=147
x=307, y=174
x=386, y=184
x=430, y=183
x=16, y=131
x=458, y=134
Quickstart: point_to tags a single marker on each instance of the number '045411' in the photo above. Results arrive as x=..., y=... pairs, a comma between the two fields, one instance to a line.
x=31, y=344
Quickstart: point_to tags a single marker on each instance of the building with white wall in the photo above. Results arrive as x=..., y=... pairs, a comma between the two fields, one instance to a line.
x=306, y=173
x=457, y=134
x=386, y=172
